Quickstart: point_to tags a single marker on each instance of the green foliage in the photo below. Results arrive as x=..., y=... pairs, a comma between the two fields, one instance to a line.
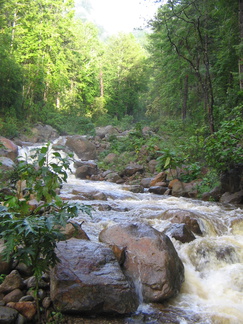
x=30, y=235
x=209, y=182
x=168, y=159
x=191, y=172
x=224, y=149
x=2, y=277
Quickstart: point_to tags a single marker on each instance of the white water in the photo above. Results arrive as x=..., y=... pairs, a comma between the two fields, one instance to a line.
x=213, y=287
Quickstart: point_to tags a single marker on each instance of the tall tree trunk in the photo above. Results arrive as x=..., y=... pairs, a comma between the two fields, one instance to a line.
x=101, y=84
x=241, y=40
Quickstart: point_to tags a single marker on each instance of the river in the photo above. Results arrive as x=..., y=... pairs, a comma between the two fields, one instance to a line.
x=213, y=289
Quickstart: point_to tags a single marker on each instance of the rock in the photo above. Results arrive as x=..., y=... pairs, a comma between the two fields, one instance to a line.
x=159, y=190
x=9, y=149
x=27, y=309
x=85, y=169
x=181, y=189
x=40, y=134
x=214, y=194
x=110, y=158
x=232, y=198
x=119, y=252
x=84, y=149
x=89, y=279
x=181, y=216
x=6, y=163
x=91, y=194
x=11, y=282
x=74, y=229
x=24, y=270
x=46, y=302
x=8, y=315
x=180, y=232
x=100, y=196
x=152, y=165
x=31, y=283
x=131, y=169
x=151, y=259
x=112, y=177
x=160, y=177
x=146, y=182
x=134, y=188
x=13, y=296
x=232, y=180
x=105, y=132
x=27, y=298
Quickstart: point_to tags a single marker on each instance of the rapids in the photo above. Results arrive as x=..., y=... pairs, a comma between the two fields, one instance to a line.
x=213, y=289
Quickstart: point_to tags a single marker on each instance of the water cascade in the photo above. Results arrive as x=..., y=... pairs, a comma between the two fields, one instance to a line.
x=213, y=287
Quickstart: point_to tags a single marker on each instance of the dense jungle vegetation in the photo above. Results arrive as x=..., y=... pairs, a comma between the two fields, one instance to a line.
x=184, y=79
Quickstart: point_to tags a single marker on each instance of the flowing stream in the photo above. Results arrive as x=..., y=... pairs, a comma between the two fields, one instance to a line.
x=213, y=287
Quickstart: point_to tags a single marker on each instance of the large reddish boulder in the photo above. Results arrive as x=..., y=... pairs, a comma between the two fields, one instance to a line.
x=151, y=262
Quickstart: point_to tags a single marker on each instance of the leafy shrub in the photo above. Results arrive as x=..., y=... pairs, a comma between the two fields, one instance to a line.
x=224, y=149
x=30, y=235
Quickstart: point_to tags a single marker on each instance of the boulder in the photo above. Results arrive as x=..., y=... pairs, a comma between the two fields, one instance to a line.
x=232, y=180
x=105, y=132
x=6, y=163
x=182, y=189
x=180, y=232
x=146, y=182
x=27, y=309
x=13, y=296
x=85, y=169
x=214, y=194
x=232, y=198
x=112, y=177
x=88, y=279
x=131, y=169
x=151, y=262
x=134, y=188
x=181, y=216
x=40, y=134
x=8, y=315
x=11, y=282
x=160, y=177
x=9, y=149
x=159, y=190
x=73, y=229
x=80, y=145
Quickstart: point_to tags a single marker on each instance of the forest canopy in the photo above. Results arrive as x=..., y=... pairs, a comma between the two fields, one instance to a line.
x=56, y=69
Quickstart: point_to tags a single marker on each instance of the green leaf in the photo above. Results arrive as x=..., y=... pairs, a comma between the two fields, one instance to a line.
x=167, y=162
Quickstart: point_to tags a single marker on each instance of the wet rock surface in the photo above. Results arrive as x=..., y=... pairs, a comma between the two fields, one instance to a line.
x=151, y=260
x=89, y=279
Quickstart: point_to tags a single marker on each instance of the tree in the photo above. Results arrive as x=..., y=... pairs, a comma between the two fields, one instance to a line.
x=124, y=75
x=187, y=28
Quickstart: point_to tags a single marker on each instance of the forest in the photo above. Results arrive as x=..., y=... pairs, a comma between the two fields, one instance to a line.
x=183, y=79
